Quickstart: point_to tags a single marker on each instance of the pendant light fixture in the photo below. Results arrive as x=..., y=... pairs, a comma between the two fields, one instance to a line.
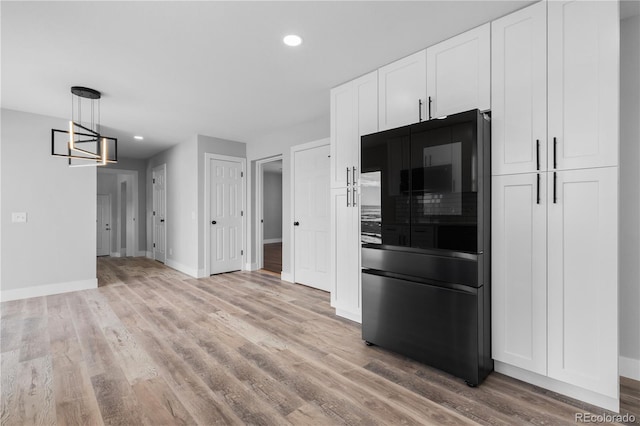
x=82, y=144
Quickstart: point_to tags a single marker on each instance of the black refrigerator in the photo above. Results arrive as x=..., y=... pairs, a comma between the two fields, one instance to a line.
x=425, y=231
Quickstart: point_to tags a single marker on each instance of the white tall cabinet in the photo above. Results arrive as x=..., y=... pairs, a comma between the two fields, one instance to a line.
x=354, y=112
x=555, y=197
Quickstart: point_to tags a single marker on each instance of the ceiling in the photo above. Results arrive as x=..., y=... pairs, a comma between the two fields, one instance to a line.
x=170, y=70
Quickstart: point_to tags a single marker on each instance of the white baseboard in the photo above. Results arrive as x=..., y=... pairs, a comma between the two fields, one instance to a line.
x=572, y=391
x=115, y=254
x=47, y=289
x=201, y=273
x=142, y=253
x=629, y=367
x=286, y=276
x=250, y=267
x=353, y=316
x=272, y=241
x=192, y=272
x=149, y=254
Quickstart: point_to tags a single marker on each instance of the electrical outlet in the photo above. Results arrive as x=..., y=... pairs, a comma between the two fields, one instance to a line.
x=19, y=217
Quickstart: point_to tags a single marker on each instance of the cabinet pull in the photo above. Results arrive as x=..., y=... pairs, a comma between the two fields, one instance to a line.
x=538, y=154
x=419, y=110
x=429, y=107
x=555, y=153
x=354, y=202
x=348, y=192
x=347, y=176
x=538, y=189
x=353, y=175
x=555, y=184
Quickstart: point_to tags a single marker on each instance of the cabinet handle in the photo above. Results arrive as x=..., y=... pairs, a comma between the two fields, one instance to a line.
x=555, y=184
x=538, y=190
x=353, y=201
x=419, y=110
x=347, y=176
x=429, y=107
x=538, y=154
x=555, y=153
x=348, y=192
x=353, y=175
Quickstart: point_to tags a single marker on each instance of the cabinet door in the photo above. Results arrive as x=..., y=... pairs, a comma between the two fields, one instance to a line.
x=366, y=104
x=345, y=255
x=342, y=134
x=583, y=278
x=459, y=73
x=584, y=42
x=519, y=271
x=402, y=90
x=519, y=91
x=354, y=112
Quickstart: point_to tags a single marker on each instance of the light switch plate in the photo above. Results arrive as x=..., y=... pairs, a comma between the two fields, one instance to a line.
x=19, y=217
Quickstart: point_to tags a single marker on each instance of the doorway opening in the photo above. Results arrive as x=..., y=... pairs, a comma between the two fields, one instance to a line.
x=117, y=211
x=269, y=214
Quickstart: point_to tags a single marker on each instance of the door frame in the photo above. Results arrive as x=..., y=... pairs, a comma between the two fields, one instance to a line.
x=260, y=207
x=292, y=191
x=110, y=217
x=243, y=186
x=154, y=217
x=132, y=222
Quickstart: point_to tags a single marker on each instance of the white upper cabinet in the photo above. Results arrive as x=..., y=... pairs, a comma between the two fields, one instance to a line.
x=354, y=112
x=459, y=73
x=402, y=90
x=583, y=278
x=519, y=270
x=583, y=84
x=519, y=91
x=342, y=134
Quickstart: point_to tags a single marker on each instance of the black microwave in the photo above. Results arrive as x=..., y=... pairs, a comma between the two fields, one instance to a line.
x=422, y=186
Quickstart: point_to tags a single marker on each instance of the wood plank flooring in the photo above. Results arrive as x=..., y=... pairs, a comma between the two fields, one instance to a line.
x=272, y=255
x=152, y=346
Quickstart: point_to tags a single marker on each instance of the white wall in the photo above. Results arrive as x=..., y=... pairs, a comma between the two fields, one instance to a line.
x=272, y=205
x=182, y=205
x=630, y=197
x=55, y=250
x=270, y=146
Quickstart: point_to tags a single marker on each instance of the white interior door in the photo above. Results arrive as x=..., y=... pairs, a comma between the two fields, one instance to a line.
x=103, y=228
x=159, y=213
x=225, y=216
x=311, y=217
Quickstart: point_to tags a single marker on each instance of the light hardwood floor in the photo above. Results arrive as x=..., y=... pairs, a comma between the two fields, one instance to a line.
x=152, y=346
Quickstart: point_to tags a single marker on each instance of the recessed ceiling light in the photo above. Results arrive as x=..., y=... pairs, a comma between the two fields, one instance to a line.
x=138, y=137
x=292, y=40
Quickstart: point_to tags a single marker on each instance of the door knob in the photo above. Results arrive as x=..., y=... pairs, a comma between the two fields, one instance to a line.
x=161, y=220
x=213, y=222
x=296, y=223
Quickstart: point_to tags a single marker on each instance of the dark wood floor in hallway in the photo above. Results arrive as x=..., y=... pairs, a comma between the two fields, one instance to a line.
x=153, y=346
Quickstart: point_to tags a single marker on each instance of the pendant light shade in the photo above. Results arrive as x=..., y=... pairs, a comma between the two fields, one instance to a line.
x=82, y=144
